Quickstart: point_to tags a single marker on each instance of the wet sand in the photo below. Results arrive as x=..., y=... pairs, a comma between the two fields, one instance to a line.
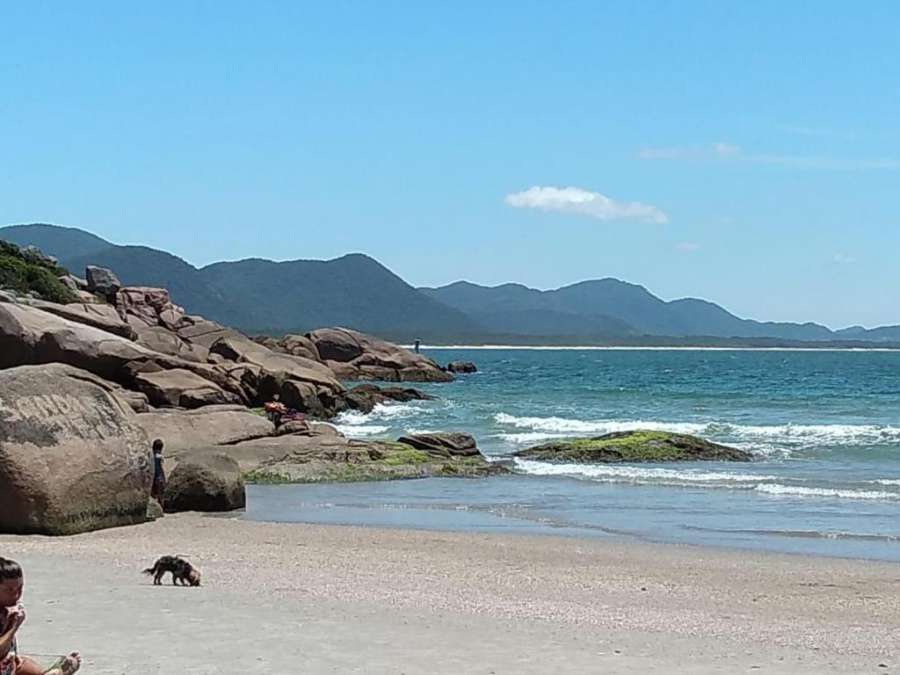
x=290, y=598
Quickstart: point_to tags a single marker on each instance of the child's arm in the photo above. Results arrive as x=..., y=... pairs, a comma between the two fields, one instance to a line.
x=13, y=619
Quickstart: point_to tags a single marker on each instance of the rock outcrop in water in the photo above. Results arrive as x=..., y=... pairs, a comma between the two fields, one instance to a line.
x=634, y=446
x=462, y=367
x=334, y=458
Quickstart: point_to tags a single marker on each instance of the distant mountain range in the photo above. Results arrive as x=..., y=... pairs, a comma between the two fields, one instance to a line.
x=356, y=291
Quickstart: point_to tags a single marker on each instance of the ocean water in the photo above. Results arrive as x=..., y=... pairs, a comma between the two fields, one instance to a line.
x=823, y=427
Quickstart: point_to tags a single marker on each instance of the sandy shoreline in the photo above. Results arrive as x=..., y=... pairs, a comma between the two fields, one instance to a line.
x=291, y=598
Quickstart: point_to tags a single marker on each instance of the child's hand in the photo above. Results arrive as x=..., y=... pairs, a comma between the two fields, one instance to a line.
x=15, y=617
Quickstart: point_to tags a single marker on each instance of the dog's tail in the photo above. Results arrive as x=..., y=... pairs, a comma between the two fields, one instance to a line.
x=151, y=570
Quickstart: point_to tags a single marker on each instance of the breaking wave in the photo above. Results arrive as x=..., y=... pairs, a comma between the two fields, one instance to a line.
x=636, y=474
x=798, y=491
x=756, y=437
x=653, y=476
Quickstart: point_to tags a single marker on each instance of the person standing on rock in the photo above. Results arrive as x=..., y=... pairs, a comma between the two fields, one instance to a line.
x=159, y=474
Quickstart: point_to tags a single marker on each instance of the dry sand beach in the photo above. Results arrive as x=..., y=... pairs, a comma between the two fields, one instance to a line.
x=289, y=598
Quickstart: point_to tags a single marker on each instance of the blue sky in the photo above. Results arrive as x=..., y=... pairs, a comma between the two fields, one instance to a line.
x=747, y=153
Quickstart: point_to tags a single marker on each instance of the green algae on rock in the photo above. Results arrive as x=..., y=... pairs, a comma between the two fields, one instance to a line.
x=634, y=446
x=335, y=459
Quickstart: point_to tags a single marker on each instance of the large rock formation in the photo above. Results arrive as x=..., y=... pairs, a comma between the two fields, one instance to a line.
x=634, y=446
x=181, y=388
x=74, y=454
x=302, y=384
x=210, y=482
x=99, y=315
x=31, y=336
x=71, y=457
x=165, y=341
x=356, y=356
x=295, y=345
x=210, y=425
x=144, y=306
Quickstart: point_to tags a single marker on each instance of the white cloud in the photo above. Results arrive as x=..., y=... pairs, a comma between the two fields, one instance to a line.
x=729, y=151
x=584, y=203
x=725, y=149
x=843, y=259
x=688, y=246
x=718, y=150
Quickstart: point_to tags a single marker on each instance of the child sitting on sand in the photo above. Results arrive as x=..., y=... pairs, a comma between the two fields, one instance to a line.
x=12, y=615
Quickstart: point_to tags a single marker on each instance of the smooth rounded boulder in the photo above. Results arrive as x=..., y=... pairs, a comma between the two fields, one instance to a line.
x=71, y=457
x=208, y=482
x=352, y=355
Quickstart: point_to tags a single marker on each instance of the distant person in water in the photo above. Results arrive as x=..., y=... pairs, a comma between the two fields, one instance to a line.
x=418, y=343
x=12, y=616
x=159, y=474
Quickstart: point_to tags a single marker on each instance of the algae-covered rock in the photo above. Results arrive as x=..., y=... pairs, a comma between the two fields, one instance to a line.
x=333, y=458
x=634, y=446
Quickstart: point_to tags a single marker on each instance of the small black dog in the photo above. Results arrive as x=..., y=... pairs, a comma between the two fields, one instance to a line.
x=180, y=568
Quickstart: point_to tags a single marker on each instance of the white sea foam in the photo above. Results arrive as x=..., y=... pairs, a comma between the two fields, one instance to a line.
x=563, y=425
x=528, y=437
x=756, y=436
x=798, y=491
x=386, y=411
x=351, y=418
x=358, y=431
x=887, y=481
x=382, y=412
x=636, y=475
x=639, y=474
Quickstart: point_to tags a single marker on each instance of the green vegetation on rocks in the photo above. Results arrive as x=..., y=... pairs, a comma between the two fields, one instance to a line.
x=266, y=477
x=26, y=271
x=634, y=446
x=399, y=454
x=338, y=460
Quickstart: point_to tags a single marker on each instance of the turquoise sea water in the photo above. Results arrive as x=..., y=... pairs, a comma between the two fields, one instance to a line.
x=824, y=427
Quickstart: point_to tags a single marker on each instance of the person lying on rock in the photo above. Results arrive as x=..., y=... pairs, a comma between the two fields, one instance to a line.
x=12, y=616
x=159, y=475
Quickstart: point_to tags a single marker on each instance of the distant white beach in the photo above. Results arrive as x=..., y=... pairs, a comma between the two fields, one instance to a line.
x=649, y=349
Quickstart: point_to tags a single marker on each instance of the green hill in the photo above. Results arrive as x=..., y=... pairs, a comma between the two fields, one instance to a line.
x=358, y=292
x=264, y=296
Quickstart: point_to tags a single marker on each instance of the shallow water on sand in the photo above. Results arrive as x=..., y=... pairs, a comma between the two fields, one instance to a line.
x=824, y=428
